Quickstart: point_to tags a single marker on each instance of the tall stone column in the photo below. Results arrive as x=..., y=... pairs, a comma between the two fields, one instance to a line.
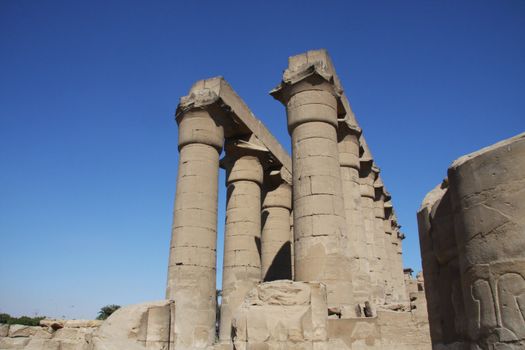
x=276, y=240
x=389, y=252
x=292, y=248
x=379, y=239
x=321, y=236
x=242, y=238
x=399, y=277
x=348, y=136
x=367, y=176
x=192, y=262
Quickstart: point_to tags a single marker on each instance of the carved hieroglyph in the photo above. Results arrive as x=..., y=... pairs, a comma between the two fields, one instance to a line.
x=473, y=247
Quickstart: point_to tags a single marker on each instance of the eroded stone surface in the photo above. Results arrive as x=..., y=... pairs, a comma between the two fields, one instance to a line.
x=138, y=327
x=472, y=243
x=282, y=315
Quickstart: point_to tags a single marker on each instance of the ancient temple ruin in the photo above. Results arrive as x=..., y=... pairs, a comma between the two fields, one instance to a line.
x=312, y=246
x=472, y=235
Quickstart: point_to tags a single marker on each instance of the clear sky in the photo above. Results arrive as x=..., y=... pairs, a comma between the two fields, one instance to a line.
x=88, y=144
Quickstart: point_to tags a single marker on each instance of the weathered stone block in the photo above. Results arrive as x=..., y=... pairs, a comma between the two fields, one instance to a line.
x=16, y=331
x=4, y=330
x=13, y=343
x=137, y=327
x=282, y=314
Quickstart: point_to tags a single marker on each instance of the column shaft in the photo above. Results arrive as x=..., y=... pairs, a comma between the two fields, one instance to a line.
x=367, y=177
x=357, y=247
x=192, y=263
x=399, y=277
x=321, y=237
x=379, y=243
x=276, y=239
x=389, y=260
x=242, y=239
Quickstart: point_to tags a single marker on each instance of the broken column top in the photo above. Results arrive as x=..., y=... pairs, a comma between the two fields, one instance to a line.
x=308, y=64
x=216, y=95
x=505, y=143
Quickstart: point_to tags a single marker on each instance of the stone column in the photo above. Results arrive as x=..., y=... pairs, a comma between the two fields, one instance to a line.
x=389, y=253
x=399, y=278
x=192, y=262
x=242, y=237
x=321, y=235
x=367, y=177
x=276, y=256
x=379, y=238
x=487, y=190
x=292, y=248
x=348, y=136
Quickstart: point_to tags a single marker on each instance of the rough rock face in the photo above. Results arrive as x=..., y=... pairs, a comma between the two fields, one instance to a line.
x=389, y=330
x=45, y=337
x=282, y=315
x=141, y=326
x=134, y=327
x=473, y=248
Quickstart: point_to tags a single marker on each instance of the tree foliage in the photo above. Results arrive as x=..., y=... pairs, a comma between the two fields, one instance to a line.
x=106, y=311
x=23, y=320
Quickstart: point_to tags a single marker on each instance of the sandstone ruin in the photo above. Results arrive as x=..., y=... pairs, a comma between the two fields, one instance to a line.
x=472, y=235
x=312, y=246
x=312, y=256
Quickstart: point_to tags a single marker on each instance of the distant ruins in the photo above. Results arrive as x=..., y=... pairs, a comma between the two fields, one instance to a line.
x=312, y=246
x=472, y=235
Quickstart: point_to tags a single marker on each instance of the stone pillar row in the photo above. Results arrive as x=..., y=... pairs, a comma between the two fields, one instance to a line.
x=340, y=229
x=258, y=200
x=338, y=196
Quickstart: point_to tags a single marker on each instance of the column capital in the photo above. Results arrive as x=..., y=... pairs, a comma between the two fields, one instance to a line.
x=388, y=209
x=277, y=189
x=310, y=90
x=378, y=183
x=312, y=70
x=348, y=143
x=196, y=99
x=244, y=160
x=346, y=127
x=198, y=126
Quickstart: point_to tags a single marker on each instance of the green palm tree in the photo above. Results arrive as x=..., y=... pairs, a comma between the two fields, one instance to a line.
x=106, y=311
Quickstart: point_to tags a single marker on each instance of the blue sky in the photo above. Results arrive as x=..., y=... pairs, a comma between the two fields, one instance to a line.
x=88, y=144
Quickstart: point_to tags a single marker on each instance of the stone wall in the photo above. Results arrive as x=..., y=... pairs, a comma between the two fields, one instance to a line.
x=52, y=334
x=293, y=315
x=146, y=326
x=472, y=234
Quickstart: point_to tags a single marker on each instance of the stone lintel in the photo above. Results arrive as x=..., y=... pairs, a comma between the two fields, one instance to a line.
x=217, y=96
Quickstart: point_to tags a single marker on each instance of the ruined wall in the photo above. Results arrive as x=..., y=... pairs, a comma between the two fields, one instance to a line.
x=146, y=326
x=473, y=249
